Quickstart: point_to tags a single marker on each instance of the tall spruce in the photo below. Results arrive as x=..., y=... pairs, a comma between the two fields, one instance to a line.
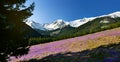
x=13, y=35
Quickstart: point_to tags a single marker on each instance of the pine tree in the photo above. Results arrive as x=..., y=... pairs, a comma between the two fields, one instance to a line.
x=13, y=36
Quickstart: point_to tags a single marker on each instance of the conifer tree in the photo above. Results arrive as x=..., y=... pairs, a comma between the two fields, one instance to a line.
x=13, y=36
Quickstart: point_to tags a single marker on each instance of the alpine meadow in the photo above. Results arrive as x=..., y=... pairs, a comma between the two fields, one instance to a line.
x=59, y=31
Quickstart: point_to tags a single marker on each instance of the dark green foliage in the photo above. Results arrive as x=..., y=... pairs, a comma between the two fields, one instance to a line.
x=14, y=33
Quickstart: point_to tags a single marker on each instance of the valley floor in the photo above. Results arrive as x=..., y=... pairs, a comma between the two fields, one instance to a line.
x=77, y=44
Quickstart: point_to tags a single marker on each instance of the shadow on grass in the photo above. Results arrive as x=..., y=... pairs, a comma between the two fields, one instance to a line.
x=109, y=53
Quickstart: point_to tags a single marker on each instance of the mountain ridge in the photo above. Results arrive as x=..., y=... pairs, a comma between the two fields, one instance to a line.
x=59, y=23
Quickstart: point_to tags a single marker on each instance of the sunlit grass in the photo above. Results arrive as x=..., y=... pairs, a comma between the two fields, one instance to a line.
x=94, y=43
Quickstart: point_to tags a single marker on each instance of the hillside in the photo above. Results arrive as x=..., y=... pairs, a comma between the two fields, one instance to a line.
x=77, y=44
x=98, y=24
x=30, y=32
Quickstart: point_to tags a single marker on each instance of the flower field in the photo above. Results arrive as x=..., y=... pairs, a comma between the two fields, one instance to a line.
x=77, y=44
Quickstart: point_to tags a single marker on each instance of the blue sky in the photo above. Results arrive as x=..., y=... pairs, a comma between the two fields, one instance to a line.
x=47, y=11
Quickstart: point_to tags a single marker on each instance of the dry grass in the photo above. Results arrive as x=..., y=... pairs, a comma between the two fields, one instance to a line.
x=94, y=43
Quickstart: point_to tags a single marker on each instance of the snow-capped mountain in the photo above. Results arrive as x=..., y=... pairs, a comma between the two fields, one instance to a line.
x=34, y=25
x=61, y=23
x=79, y=22
x=55, y=25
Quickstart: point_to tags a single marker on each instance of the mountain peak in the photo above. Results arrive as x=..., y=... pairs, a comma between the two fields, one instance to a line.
x=59, y=20
x=56, y=24
x=34, y=25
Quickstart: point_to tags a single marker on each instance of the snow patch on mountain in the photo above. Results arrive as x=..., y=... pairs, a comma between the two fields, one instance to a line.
x=115, y=14
x=56, y=24
x=34, y=25
x=112, y=15
x=79, y=22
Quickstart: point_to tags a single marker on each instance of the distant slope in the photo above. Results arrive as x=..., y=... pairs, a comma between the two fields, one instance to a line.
x=76, y=44
x=98, y=24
